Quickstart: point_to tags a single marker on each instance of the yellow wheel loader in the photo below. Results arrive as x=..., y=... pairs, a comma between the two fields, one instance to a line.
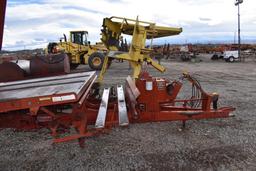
x=79, y=50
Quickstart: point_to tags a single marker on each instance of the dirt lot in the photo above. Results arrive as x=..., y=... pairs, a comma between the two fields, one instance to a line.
x=222, y=144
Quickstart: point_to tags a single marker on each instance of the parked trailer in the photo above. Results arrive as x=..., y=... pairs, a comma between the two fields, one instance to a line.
x=231, y=56
x=72, y=102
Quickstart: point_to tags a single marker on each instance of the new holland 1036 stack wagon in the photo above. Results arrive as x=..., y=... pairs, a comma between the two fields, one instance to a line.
x=72, y=101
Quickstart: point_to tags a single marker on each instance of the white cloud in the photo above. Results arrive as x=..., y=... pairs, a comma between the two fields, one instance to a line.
x=47, y=20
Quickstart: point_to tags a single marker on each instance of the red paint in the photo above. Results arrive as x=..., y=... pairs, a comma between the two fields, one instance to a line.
x=2, y=17
x=158, y=104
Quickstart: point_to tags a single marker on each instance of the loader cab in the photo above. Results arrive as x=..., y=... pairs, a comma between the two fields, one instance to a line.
x=79, y=37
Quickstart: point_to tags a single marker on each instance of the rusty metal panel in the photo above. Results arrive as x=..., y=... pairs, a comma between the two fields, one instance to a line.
x=37, y=66
x=101, y=118
x=44, y=91
x=10, y=71
x=44, y=86
x=48, y=65
x=2, y=17
x=24, y=65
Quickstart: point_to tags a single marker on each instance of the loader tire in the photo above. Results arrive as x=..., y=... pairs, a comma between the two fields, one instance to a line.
x=96, y=61
x=50, y=47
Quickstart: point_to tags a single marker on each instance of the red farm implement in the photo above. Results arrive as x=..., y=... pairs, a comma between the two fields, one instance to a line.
x=73, y=102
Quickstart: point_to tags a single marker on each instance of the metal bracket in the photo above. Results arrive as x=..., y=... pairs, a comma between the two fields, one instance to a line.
x=122, y=110
x=101, y=118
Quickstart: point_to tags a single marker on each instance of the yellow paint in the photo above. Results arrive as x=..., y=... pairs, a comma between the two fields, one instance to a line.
x=140, y=31
x=79, y=53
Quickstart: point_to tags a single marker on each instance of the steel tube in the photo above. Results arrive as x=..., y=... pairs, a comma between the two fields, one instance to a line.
x=2, y=17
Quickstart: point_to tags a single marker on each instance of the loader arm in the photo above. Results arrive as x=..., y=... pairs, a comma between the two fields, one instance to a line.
x=114, y=27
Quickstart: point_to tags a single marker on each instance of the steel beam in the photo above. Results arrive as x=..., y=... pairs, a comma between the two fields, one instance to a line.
x=122, y=110
x=2, y=17
x=101, y=118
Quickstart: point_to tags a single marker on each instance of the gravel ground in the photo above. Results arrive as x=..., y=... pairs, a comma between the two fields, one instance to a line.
x=220, y=144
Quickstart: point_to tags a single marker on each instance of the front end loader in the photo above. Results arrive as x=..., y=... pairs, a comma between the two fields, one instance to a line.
x=79, y=50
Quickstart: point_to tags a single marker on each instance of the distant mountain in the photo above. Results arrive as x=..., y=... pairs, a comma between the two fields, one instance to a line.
x=30, y=51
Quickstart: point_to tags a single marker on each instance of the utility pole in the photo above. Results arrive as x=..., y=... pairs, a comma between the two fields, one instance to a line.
x=237, y=3
x=234, y=37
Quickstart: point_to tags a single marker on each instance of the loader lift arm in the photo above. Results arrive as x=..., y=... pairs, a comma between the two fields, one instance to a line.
x=114, y=27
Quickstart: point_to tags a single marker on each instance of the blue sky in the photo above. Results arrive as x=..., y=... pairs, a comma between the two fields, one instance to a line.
x=34, y=23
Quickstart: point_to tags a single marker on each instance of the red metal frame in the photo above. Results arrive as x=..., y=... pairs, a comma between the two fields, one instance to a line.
x=144, y=105
x=2, y=17
x=159, y=105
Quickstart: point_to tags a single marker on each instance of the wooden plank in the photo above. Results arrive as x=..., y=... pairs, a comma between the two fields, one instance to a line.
x=134, y=89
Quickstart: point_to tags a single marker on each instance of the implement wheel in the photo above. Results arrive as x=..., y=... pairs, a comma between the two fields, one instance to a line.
x=96, y=61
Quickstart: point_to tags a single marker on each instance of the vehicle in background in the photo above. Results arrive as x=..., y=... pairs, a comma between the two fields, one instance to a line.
x=79, y=50
x=217, y=56
x=231, y=56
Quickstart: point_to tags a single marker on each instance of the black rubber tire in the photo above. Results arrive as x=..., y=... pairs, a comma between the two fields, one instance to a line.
x=214, y=57
x=231, y=59
x=51, y=46
x=100, y=57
